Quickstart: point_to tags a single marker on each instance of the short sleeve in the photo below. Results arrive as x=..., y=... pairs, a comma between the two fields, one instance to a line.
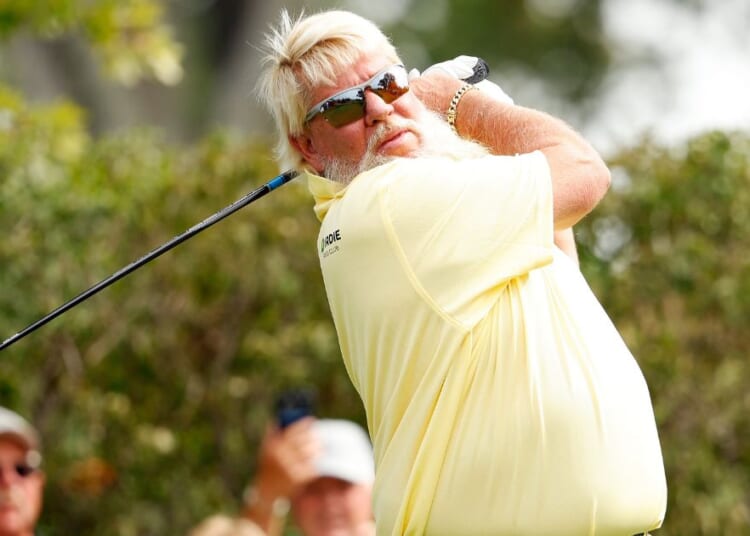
x=465, y=228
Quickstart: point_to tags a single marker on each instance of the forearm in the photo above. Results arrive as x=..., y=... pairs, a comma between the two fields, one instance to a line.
x=502, y=127
x=510, y=129
x=265, y=507
x=579, y=176
x=536, y=133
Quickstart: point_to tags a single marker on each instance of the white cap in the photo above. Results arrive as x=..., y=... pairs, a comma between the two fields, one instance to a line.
x=12, y=424
x=346, y=451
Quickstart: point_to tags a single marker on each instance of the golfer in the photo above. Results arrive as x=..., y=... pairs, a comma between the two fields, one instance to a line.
x=500, y=398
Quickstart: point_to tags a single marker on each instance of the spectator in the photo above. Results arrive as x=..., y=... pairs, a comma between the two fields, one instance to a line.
x=320, y=469
x=21, y=480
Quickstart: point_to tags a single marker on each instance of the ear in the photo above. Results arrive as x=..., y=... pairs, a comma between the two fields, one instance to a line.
x=305, y=146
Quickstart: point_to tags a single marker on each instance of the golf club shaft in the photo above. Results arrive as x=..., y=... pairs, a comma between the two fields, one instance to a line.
x=208, y=222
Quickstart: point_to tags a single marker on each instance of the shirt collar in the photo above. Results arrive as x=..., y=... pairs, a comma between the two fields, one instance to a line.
x=324, y=191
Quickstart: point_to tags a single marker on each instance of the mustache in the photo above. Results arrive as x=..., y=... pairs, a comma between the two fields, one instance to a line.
x=436, y=139
x=385, y=130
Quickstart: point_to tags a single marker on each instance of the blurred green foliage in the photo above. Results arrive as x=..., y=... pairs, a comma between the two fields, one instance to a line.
x=560, y=42
x=130, y=36
x=667, y=254
x=152, y=396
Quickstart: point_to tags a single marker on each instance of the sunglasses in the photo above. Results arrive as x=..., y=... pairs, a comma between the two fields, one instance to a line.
x=349, y=105
x=23, y=469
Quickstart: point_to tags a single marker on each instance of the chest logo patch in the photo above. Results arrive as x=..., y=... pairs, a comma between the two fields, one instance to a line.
x=329, y=243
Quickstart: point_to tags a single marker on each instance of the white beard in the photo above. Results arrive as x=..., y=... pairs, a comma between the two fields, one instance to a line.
x=439, y=139
x=436, y=136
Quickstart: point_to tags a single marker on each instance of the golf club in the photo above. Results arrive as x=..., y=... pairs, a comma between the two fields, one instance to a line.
x=194, y=230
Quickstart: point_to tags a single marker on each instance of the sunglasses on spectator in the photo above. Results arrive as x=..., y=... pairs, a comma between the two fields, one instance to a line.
x=349, y=105
x=23, y=469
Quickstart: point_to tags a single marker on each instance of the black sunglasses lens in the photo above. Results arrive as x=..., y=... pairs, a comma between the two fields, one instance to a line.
x=350, y=106
x=23, y=470
x=343, y=111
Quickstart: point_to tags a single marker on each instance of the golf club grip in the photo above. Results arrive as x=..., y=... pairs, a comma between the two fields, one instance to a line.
x=481, y=71
x=194, y=230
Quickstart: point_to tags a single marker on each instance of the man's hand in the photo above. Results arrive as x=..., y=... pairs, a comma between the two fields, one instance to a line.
x=287, y=458
x=469, y=69
x=286, y=463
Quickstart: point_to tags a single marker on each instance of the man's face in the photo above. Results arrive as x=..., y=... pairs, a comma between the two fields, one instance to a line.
x=390, y=130
x=332, y=507
x=20, y=496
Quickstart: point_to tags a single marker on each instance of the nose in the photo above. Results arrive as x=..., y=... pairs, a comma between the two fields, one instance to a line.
x=376, y=109
x=7, y=476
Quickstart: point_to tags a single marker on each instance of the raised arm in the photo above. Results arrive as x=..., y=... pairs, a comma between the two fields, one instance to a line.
x=580, y=177
x=285, y=465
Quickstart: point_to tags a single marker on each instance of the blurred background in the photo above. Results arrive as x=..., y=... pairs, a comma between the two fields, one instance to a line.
x=125, y=122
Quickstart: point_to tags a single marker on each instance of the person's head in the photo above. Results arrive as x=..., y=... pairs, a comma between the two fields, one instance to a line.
x=21, y=480
x=339, y=94
x=338, y=501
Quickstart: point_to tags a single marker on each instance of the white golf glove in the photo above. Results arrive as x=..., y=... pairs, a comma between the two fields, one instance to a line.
x=466, y=67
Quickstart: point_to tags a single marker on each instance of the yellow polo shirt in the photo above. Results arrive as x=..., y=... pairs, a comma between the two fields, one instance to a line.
x=500, y=398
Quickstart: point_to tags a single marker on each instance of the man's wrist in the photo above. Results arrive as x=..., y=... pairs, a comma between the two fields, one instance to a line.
x=265, y=504
x=452, y=113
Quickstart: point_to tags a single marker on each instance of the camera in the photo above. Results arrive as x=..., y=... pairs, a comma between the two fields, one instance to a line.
x=294, y=404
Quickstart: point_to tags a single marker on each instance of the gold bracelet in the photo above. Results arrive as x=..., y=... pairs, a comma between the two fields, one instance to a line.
x=450, y=115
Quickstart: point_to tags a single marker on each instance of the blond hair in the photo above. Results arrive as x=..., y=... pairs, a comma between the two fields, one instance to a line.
x=301, y=55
